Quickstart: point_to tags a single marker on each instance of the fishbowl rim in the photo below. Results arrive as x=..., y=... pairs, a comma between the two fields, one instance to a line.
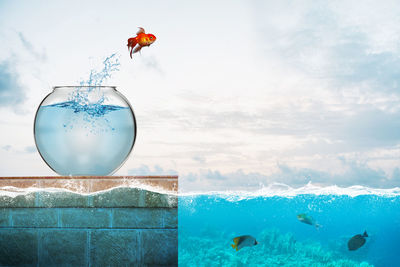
x=84, y=86
x=102, y=86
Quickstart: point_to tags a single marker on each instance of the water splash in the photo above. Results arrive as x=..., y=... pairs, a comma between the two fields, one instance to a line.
x=88, y=96
x=94, y=110
x=87, y=100
x=96, y=78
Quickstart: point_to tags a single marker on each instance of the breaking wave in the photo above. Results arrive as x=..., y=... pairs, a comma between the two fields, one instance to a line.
x=283, y=190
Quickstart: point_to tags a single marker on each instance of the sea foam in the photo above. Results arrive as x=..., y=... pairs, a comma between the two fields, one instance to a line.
x=11, y=191
x=283, y=190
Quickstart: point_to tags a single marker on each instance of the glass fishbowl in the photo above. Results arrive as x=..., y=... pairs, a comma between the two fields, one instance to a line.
x=85, y=130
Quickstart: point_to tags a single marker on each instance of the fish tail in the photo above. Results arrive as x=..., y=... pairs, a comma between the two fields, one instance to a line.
x=132, y=42
x=137, y=49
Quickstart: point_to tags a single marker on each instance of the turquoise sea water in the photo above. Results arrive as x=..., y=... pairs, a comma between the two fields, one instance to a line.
x=80, y=139
x=209, y=222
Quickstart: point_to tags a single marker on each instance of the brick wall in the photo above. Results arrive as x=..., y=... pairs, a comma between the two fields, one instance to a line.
x=123, y=226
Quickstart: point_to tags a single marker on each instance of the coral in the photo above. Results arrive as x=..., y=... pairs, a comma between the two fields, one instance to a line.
x=274, y=249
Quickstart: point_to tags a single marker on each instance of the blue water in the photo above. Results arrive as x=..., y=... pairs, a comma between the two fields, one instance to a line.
x=111, y=65
x=90, y=139
x=82, y=95
x=208, y=223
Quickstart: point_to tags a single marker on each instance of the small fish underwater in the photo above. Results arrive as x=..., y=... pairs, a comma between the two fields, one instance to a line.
x=357, y=241
x=243, y=241
x=142, y=39
x=288, y=238
x=304, y=218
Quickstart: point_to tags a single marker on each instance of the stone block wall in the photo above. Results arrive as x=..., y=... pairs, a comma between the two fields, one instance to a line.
x=122, y=226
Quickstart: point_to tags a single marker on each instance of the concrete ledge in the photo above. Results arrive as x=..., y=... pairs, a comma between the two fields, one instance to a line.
x=91, y=184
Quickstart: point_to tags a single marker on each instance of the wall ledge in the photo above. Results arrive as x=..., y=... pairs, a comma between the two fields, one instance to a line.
x=91, y=184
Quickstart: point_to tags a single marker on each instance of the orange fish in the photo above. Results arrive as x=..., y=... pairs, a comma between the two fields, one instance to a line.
x=142, y=39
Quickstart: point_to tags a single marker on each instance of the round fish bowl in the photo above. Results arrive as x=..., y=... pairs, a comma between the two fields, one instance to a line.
x=85, y=130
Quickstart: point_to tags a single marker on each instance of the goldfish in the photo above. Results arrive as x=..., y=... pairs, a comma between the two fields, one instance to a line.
x=304, y=218
x=243, y=241
x=142, y=39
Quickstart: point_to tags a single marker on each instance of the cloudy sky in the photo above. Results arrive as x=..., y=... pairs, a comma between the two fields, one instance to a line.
x=233, y=94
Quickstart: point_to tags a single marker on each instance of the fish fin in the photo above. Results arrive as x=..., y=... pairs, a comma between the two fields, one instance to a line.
x=236, y=240
x=132, y=42
x=131, y=52
x=233, y=246
x=137, y=49
x=237, y=249
x=365, y=234
x=141, y=30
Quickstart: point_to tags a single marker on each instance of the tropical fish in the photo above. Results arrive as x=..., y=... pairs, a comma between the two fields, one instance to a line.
x=304, y=218
x=243, y=241
x=357, y=241
x=142, y=39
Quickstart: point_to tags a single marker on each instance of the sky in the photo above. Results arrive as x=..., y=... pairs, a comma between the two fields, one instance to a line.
x=233, y=95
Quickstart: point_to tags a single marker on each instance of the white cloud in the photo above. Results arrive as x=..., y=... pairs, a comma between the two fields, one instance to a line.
x=356, y=173
x=146, y=170
x=11, y=92
x=40, y=56
x=259, y=92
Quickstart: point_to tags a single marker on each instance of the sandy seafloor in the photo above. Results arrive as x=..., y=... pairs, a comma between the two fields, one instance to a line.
x=209, y=222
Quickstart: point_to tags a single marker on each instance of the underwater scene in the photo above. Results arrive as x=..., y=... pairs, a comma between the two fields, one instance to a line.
x=309, y=226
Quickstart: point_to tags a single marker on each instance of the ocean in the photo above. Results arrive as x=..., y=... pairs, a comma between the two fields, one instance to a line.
x=208, y=222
